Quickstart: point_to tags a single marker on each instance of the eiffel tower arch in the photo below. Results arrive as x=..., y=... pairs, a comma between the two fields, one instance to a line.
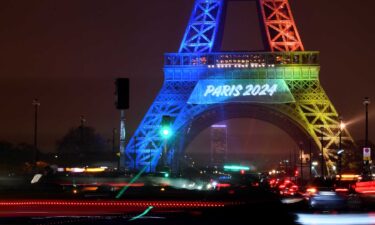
x=203, y=85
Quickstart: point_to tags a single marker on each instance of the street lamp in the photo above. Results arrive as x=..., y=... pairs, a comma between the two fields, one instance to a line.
x=301, y=163
x=322, y=156
x=366, y=166
x=36, y=105
x=366, y=102
x=340, y=151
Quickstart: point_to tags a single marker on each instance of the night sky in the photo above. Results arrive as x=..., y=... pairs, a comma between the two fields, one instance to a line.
x=68, y=54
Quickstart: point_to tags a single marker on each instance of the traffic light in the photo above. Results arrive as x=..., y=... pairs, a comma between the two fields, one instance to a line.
x=122, y=93
x=166, y=127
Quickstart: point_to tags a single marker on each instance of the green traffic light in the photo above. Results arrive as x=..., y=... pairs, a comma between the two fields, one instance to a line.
x=166, y=123
x=166, y=132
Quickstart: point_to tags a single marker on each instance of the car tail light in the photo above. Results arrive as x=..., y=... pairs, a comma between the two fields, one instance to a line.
x=341, y=190
x=365, y=187
x=255, y=184
x=311, y=191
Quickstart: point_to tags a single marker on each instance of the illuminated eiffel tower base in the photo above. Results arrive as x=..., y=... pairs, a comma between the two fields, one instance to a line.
x=203, y=85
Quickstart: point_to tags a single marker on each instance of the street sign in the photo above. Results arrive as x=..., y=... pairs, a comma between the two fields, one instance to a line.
x=366, y=154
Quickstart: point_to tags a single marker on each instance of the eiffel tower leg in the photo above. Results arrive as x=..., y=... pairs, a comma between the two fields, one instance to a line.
x=145, y=146
x=316, y=113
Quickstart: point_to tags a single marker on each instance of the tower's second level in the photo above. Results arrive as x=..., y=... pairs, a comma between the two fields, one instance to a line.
x=242, y=65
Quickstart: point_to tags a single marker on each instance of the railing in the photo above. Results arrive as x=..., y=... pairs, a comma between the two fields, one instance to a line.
x=242, y=59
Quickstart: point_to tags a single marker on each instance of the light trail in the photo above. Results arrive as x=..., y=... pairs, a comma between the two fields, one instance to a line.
x=337, y=219
x=23, y=208
x=142, y=214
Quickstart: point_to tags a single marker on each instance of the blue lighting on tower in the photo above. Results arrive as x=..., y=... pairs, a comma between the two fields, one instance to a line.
x=204, y=26
x=203, y=35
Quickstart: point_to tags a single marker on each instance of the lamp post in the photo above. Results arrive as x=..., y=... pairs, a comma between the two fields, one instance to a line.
x=301, y=162
x=36, y=105
x=366, y=102
x=322, y=156
x=310, y=160
x=366, y=163
x=82, y=140
x=340, y=151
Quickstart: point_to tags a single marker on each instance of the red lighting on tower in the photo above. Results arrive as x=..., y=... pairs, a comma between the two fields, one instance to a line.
x=281, y=30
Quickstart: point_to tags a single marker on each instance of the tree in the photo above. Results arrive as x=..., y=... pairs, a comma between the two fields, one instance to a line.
x=83, y=141
x=13, y=157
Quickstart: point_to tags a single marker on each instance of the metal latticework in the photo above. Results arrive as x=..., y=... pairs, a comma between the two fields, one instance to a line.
x=315, y=112
x=203, y=26
x=310, y=112
x=281, y=30
x=146, y=145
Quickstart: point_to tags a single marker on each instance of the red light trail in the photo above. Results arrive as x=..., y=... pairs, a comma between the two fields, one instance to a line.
x=24, y=208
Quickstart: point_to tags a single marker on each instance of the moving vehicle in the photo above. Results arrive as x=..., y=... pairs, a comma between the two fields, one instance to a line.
x=324, y=194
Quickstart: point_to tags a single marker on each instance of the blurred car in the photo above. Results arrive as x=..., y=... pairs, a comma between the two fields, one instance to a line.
x=235, y=180
x=324, y=194
x=365, y=192
x=245, y=180
x=288, y=188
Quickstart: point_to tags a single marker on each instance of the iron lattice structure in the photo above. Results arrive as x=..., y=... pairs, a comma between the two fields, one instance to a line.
x=199, y=58
x=282, y=34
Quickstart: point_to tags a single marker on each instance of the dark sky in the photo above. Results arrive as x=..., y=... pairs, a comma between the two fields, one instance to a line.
x=68, y=53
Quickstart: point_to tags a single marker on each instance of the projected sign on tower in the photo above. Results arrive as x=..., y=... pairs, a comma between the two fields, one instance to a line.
x=241, y=90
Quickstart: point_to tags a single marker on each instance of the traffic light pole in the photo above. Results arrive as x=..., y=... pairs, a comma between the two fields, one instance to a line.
x=122, y=136
x=122, y=103
x=165, y=153
x=366, y=162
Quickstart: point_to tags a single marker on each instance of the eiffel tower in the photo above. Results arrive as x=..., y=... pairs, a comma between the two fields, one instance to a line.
x=204, y=85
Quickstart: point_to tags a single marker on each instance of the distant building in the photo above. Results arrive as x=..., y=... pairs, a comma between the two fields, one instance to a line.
x=219, y=145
